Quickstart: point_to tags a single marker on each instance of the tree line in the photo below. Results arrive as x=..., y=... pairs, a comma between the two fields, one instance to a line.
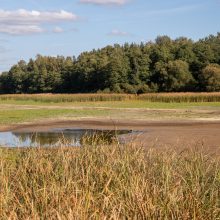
x=164, y=65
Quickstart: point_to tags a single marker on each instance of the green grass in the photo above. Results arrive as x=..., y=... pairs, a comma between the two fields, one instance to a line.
x=117, y=104
x=108, y=182
x=12, y=112
x=146, y=104
x=30, y=115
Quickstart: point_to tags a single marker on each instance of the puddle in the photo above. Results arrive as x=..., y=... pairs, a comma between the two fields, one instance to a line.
x=57, y=137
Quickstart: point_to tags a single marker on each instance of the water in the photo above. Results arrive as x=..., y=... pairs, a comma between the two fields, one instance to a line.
x=57, y=137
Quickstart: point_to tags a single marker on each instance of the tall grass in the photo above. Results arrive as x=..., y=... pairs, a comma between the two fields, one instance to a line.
x=67, y=97
x=150, y=97
x=108, y=182
x=181, y=97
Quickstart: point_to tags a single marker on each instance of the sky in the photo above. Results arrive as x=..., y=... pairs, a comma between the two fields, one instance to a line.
x=69, y=27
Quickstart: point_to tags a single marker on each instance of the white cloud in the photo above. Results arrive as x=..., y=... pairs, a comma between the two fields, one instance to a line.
x=30, y=22
x=105, y=2
x=23, y=16
x=58, y=30
x=20, y=29
x=118, y=33
x=61, y=30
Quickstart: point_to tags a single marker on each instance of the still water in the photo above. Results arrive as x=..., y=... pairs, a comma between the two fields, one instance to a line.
x=57, y=137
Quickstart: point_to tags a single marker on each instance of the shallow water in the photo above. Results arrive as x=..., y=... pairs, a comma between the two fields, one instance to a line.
x=57, y=137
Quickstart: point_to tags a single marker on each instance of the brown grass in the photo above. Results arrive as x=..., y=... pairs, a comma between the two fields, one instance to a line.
x=151, y=97
x=108, y=182
x=181, y=97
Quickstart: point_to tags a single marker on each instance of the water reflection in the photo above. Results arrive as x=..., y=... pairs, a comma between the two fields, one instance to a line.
x=56, y=137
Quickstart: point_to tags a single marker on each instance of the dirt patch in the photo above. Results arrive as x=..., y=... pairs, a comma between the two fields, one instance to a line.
x=156, y=134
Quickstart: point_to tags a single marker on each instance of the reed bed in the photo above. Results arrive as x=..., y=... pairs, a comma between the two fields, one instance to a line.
x=181, y=97
x=66, y=97
x=150, y=97
x=108, y=182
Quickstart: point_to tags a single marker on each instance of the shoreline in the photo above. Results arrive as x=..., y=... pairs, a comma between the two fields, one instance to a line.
x=107, y=124
x=182, y=134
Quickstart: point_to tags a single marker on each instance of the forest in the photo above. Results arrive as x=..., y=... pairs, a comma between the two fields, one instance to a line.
x=165, y=65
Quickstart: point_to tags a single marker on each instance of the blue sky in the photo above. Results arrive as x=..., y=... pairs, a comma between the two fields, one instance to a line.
x=68, y=27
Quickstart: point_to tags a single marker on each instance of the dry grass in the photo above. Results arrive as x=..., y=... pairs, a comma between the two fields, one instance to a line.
x=151, y=97
x=67, y=97
x=108, y=182
x=181, y=97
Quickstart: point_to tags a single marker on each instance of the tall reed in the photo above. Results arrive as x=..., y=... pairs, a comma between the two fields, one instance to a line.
x=181, y=97
x=150, y=97
x=67, y=97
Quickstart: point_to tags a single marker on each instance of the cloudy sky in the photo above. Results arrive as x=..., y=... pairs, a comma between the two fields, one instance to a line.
x=68, y=27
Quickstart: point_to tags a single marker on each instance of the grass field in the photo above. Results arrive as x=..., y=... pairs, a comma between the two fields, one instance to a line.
x=18, y=112
x=12, y=116
x=108, y=182
x=27, y=110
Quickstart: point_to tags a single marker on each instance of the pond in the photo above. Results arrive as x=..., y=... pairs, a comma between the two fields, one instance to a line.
x=57, y=137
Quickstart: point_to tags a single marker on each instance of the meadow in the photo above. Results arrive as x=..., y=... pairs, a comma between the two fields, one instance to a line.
x=28, y=108
x=109, y=181
x=17, y=112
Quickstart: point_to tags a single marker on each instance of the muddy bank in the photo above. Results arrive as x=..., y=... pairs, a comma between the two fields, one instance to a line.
x=182, y=134
x=112, y=124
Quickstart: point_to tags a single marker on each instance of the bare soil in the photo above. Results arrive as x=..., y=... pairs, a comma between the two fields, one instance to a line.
x=179, y=134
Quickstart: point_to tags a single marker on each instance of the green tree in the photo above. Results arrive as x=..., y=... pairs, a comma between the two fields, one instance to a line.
x=210, y=77
x=116, y=71
x=4, y=87
x=138, y=72
x=173, y=76
x=163, y=65
x=15, y=79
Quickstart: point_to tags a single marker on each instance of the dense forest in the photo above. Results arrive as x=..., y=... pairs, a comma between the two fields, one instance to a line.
x=165, y=65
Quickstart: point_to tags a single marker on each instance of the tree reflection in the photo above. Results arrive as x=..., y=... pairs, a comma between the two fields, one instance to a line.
x=70, y=137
